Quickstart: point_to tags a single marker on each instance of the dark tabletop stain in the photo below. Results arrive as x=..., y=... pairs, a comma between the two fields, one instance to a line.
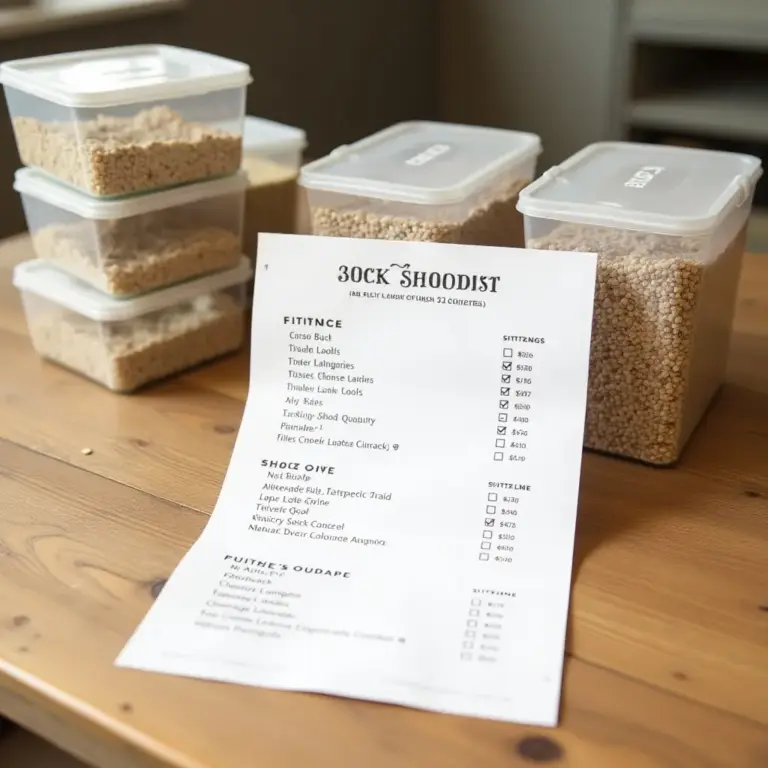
x=223, y=429
x=23, y=649
x=20, y=621
x=680, y=676
x=156, y=587
x=763, y=608
x=126, y=707
x=539, y=749
x=140, y=442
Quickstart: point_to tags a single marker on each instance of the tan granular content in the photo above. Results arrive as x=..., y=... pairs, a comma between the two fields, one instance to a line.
x=270, y=201
x=124, y=257
x=494, y=221
x=111, y=156
x=660, y=336
x=126, y=355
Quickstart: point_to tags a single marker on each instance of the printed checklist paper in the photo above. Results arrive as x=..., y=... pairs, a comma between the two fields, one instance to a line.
x=397, y=520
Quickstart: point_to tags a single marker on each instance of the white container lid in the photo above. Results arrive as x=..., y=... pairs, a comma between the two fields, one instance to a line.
x=38, y=277
x=267, y=137
x=126, y=75
x=643, y=187
x=421, y=162
x=41, y=186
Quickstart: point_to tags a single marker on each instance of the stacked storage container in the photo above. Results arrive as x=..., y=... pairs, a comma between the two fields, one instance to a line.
x=133, y=186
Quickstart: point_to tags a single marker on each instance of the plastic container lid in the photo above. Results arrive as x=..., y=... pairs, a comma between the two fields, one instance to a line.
x=421, y=162
x=38, y=277
x=126, y=75
x=269, y=138
x=37, y=184
x=643, y=187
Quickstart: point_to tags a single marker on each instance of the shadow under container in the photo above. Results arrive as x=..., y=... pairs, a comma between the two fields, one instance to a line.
x=669, y=227
x=427, y=181
x=124, y=344
x=136, y=244
x=118, y=121
x=272, y=157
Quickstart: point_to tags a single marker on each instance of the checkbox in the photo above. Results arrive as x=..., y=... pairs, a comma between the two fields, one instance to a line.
x=502, y=417
x=506, y=378
x=487, y=534
x=466, y=656
x=474, y=612
x=468, y=644
x=470, y=633
x=484, y=555
x=493, y=496
x=485, y=545
x=507, y=351
x=500, y=443
x=490, y=509
x=498, y=456
x=489, y=522
x=503, y=403
x=501, y=430
x=476, y=601
x=471, y=623
x=504, y=392
x=506, y=366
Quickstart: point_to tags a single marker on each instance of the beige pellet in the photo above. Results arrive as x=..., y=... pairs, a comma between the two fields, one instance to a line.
x=494, y=220
x=126, y=355
x=110, y=156
x=660, y=335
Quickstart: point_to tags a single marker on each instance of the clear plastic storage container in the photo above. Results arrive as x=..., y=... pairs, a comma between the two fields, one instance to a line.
x=135, y=244
x=116, y=121
x=125, y=344
x=424, y=181
x=668, y=225
x=272, y=156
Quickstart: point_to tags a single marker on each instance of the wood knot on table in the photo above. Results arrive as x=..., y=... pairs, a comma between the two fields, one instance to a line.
x=539, y=749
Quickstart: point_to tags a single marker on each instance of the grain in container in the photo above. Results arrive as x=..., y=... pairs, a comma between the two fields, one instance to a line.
x=127, y=343
x=668, y=225
x=135, y=244
x=122, y=120
x=424, y=181
x=272, y=157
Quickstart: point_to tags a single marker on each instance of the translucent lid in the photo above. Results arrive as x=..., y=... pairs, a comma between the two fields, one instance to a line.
x=645, y=187
x=38, y=277
x=37, y=184
x=126, y=75
x=422, y=162
x=268, y=137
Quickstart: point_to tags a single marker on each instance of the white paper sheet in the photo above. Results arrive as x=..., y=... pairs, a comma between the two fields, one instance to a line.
x=397, y=520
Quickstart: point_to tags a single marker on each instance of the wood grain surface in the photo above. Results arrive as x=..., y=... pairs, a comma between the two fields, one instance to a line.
x=668, y=629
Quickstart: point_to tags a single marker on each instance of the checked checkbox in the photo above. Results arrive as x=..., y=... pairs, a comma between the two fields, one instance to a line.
x=490, y=522
x=500, y=443
x=505, y=391
x=506, y=366
x=502, y=417
x=507, y=351
x=506, y=378
x=503, y=403
x=501, y=430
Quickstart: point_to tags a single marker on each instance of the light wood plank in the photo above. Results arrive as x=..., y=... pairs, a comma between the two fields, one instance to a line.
x=81, y=554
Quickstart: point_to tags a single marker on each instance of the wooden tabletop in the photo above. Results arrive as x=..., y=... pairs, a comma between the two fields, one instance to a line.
x=668, y=636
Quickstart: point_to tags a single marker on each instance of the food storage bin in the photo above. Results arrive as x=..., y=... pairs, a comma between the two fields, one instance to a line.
x=424, y=181
x=122, y=120
x=668, y=225
x=272, y=156
x=126, y=343
x=135, y=244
